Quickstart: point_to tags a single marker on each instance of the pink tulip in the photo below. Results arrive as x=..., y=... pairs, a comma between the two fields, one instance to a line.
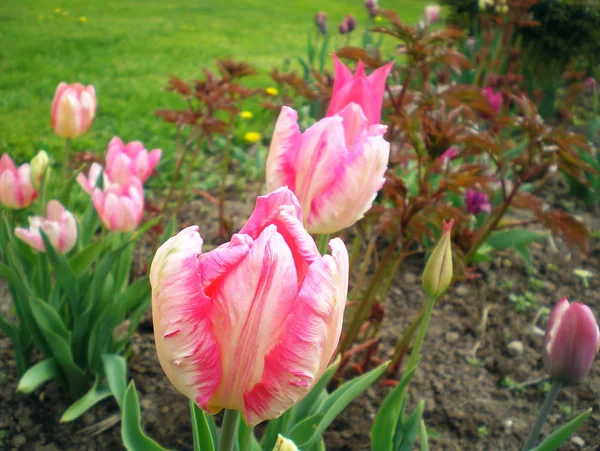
x=571, y=342
x=59, y=225
x=91, y=181
x=335, y=167
x=494, y=99
x=432, y=14
x=16, y=190
x=131, y=159
x=360, y=89
x=252, y=324
x=120, y=206
x=73, y=109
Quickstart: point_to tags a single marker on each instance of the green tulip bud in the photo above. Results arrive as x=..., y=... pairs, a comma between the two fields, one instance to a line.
x=39, y=164
x=438, y=270
x=284, y=444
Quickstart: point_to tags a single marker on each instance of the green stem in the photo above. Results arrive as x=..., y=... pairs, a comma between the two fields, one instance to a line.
x=228, y=430
x=323, y=243
x=245, y=436
x=414, y=355
x=541, y=419
x=66, y=160
x=43, y=194
x=188, y=177
x=224, y=174
x=404, y=341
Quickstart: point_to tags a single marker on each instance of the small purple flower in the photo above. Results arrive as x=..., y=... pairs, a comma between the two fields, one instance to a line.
x=590, y=84
x=494, y=99
x=476, y=202
x=450, y=153
x=321, y=22
x=571, y=342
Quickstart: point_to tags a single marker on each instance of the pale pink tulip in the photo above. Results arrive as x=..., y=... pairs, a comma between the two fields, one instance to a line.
x=16, y=189
x=335, y=167
x=73, y=109
x=358, y=88
x=571, y=342
x=120, y=206
x=59, y=225
x=252, y=324
x=131, y=159
x=432, y=14
x=91, y=181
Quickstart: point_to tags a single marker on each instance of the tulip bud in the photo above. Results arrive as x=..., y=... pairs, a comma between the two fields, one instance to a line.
x=351, y=21
x=284, y=444
x=571, y=342
x=438, y=270
x=73, y=109
x=431, y=14
x=39, y=164
x=321, y=22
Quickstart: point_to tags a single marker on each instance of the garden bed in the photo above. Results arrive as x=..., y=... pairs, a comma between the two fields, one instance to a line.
x=475, y=328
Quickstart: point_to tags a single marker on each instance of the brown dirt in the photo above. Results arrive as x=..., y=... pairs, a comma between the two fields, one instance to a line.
x=462, y=375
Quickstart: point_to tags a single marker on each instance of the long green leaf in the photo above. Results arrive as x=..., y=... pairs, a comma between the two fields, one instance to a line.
x=132, y=435
x=424, y=437
x=514, y=238
x=332, y=406
x=12, y=332
x=82, y=260
x=115, y=368
x=203, y=440
x=410, y=429
x=558, y=437
x=38, y=374
x=86, y=402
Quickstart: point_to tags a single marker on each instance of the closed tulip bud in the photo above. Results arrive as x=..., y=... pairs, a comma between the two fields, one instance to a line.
x=120, y=206
x=571, y=342
x=321, y=22
x=284, y=444
x=432, y=14
x=16, y=189
x=59, y=225
x=343, y=28
x=251, y=325
x=438, y=270
x=335, y=168
x=351, y=22
x=39, y=164
x=73, y=109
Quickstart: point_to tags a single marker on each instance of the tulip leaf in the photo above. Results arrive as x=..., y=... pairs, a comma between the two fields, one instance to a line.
x=86, y=402
x=132, y=435
x=558, y=437
x=82, y=260
x=388, y=415
x=38, y=374
x=410, y=429
x=64, y=273
x=331, y=408
x=203, y=439
x=12, y=332
x=424, y=437
x=169, y=230
x=115, y=368
x=513, y=238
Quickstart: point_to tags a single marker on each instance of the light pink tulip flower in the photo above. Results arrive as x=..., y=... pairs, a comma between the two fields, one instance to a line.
x=73, y=109
x=335, y=168
x=252, y=324
x=571, y=342
x=91, y=181
x=358, y=88
x=16, y=189
x=59, y=225
x=131, y=159
x=431, y=14
x=120, y=206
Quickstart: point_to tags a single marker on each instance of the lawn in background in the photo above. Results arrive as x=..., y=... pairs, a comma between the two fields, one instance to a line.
x=128, y=49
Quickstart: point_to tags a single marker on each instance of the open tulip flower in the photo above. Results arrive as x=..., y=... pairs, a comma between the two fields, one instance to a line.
x=120, y=206
x=252, y=324
x=571, y=342
x=73, y=109
x=16, y=189
x=123, y=161
x=358, y=88
x=59, y=225
x=335, y=168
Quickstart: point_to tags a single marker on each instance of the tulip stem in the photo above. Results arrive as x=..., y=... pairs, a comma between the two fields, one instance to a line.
x=66, y=160
x=541, y=419
x=414, y=355
x=323, y=243
x=228, y=429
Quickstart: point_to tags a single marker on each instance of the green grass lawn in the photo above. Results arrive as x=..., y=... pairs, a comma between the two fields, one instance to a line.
x=128, y=49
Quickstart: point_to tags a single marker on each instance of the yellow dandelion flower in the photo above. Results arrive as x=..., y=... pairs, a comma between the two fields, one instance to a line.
x=83, y=19
x=246, y=115
x=378, y=19
x=252, y=137
x=57, y=10
x=271, y=91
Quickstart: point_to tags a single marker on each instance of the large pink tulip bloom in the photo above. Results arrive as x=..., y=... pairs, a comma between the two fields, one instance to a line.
x=120, y=206
x=59, y=225
x=360, y=89
x=131, y=159
x=571, y=342
x=16, y=189
x=251, y=325
x=73, y=109
x=335, y=168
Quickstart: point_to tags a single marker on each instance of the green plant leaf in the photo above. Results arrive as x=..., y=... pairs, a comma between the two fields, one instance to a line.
x=410, y=428
x=132, y=435
x=115, y=368
x=514, y=238
x=424, y=437
x=203, y=440
x=86, y=402
x=38, y=374
x=558, y=437
x=82, y=260
x=47, y=318
x=388, y=415
x=331, y=408
x=169, y=230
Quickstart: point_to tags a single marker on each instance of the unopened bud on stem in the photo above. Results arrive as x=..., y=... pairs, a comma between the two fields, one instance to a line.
x=438, y=270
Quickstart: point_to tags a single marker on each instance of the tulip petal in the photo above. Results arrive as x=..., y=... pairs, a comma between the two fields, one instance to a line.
x=312, y=329
x=282, y=154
